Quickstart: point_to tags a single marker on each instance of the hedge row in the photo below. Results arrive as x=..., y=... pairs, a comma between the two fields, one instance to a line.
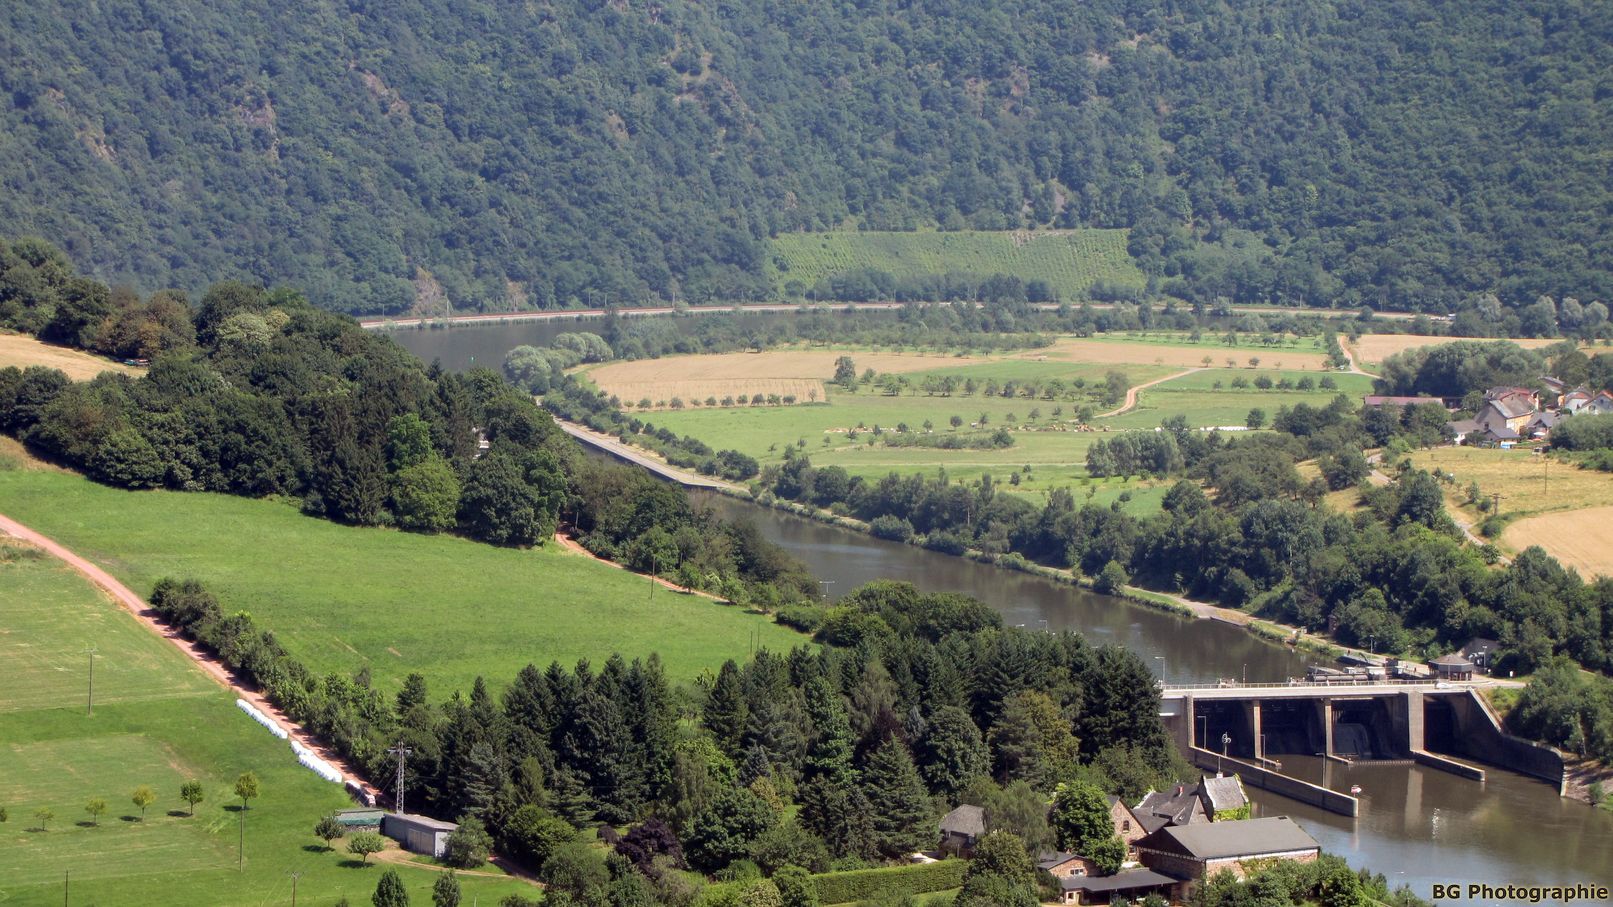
x=861, y=884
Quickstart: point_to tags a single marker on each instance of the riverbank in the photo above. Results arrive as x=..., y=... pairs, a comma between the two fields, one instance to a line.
x=1271, y=631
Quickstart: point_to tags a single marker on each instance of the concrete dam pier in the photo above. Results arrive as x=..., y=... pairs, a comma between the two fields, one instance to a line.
x=1246, y=728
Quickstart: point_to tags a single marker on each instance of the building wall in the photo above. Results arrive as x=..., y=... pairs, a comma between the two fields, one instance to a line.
x=1080, y=866
x=1126, y=825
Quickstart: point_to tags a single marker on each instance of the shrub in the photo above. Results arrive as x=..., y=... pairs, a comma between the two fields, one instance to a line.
x=890, y=527
x=863, y=884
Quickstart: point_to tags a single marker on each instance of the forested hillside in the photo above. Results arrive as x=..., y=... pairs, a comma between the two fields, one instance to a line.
x=384, y=155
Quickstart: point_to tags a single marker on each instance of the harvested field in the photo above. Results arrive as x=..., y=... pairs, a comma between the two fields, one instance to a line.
x=798, y=372
x=1582, y=539
x=1107, y=352
x=1378, y=347
x=659, y=393
x=22, y=351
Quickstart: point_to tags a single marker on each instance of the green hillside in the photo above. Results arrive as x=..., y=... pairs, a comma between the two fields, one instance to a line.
x=494, y=155
x=340, y=598
x=159, y=722
x=1068, y=261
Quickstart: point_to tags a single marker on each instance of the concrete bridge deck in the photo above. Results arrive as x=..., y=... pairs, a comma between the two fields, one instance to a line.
x=1338, y=689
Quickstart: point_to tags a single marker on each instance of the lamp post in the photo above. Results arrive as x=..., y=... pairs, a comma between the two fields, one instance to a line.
x=1161, y=659
x=1226, y=739
x=89, y=702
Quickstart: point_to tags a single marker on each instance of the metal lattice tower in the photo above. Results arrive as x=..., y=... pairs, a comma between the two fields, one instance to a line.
x=402, y=752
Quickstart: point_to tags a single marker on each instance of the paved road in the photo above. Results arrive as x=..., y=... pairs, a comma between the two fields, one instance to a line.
x=641, y=458
x=147, y=615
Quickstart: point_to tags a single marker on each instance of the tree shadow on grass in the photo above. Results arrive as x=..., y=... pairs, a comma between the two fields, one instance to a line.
x=234, y=808
x=355, y=864
x=131, y=819
x=318, y=848
x=179, y=814
x=86, y=824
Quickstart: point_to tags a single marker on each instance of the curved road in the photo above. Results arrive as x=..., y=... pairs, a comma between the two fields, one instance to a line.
x=211, y=666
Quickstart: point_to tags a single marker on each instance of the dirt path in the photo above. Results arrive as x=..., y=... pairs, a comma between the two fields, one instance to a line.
x=211, y=666
x=1349, y=356
x=512, y=872
x=1132, y=393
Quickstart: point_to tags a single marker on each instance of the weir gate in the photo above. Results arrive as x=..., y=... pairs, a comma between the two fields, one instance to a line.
x=1248, y=728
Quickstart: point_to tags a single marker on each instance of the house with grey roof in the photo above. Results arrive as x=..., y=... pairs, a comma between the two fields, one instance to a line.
x=961, y=829
x=1197, y=852
x=1189, y=804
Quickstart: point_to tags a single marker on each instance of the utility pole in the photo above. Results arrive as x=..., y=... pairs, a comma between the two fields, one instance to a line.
x=402, y=752
x=240, y=840
x=89, y=703
x=295, y=875
x=65, y=877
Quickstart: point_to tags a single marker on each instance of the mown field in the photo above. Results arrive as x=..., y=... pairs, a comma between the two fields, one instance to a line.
x=1049, y=449
x=340, y=598
x=1564, y=509
x=22, y=351
x=1070, y=261
x=158, y=721
x=1371, y=349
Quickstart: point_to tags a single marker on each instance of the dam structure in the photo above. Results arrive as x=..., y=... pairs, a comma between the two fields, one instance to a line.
x=1248, y=727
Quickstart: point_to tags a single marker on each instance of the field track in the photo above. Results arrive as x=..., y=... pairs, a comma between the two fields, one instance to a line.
x=1582, y=539
x=144, y=613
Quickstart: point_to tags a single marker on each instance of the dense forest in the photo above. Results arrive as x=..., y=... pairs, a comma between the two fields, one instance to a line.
x=1407, y=154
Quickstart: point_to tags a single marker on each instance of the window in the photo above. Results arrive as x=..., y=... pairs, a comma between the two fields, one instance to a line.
x=1125, y=825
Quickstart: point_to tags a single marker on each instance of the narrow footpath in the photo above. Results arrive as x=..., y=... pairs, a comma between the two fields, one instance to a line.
x=211, y=666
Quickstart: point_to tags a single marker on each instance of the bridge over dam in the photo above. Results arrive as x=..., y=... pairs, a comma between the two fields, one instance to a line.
x=1247, y=727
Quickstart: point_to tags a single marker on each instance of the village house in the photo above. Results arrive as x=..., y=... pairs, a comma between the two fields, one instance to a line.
x=961, y=829
x=1505, y=419
x=1128, y=826
x=1194, y=853
x=1210, y=800
x=1132, y=885
x=1575, y=400
x=1600, y=405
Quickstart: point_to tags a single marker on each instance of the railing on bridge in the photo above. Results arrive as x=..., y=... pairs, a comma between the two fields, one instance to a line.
x=1345, y=682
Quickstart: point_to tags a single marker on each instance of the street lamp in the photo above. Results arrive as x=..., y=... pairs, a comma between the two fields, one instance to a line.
x=1226, y=739
x=1161, y=669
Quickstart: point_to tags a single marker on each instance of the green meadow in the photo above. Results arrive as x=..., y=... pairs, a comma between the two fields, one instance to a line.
x=157, y=721
x=340, y=598
x=1070, y=261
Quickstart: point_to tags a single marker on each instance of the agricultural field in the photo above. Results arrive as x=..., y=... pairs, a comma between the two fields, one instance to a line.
x=340, y=598
x=1070, y=261
x=797, y=372
x=157, y=721
x=1372, y=349
x=1177, y=351
x=22, y=351
x=1562, y=508
x=1049, y=449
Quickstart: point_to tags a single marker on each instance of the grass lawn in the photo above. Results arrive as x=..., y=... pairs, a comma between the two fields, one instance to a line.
x=158, y=721
x=340, y=597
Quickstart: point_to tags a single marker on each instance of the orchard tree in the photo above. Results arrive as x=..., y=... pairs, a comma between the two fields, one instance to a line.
x=191, y=792
x=95, y=808
x=365, y=843
x=246, y=787
x=143, y=797
x=328, y=829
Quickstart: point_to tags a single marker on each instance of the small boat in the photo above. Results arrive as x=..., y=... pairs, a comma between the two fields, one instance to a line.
x=1355, y=789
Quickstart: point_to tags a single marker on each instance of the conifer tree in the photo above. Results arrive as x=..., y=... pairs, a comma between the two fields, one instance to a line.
x=900, y=803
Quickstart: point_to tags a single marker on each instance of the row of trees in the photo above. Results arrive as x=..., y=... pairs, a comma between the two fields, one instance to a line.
x=192, y=792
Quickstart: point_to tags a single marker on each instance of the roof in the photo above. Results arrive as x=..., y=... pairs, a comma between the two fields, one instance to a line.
x=1152, y=823
x=1054, y=859
x=420, y=821
x=1175, y=806
x=1463, y=426
x=1451, y=661
x=1512, y=407
x=1503, y=433
x=965, y=820
x=1498, y=393
x=1224, y=793
x=1120, y=881
x=1543, y=418
x=1223, y=840
x=1379, y=400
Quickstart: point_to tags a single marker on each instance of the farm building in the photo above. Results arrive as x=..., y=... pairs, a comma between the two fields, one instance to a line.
x=1197, y=852
x=418, y=834
x=1132, y=885
x=360, y=818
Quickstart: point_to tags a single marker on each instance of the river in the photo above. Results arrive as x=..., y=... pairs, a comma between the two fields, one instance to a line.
x=1417, y=826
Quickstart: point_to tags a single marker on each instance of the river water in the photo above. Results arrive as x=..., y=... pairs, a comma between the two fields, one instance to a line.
x=1417, y=826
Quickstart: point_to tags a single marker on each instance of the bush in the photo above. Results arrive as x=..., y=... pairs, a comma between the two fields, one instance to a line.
x=1111, y=579
x=945, y=542
x=468, y=845
x=891, y=527
x=806, y=618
